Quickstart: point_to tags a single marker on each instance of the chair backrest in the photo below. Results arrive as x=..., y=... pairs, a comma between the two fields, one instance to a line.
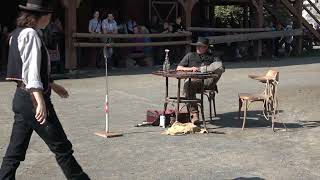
x=219, y=72
x=273, y=75
x=272, y=83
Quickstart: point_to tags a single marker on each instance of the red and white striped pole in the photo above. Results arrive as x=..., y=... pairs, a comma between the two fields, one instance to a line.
x=107, y=113
x=107, y=133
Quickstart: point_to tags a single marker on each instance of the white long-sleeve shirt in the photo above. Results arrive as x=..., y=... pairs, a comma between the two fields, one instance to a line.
x=29, y=45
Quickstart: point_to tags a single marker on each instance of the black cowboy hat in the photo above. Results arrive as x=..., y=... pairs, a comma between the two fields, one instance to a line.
x=201, y=42
x=41, y=6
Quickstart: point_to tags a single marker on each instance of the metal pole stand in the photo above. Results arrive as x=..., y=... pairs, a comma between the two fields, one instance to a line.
x=107, y=133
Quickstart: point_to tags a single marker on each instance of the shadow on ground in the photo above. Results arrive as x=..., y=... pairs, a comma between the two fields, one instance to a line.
x=272, y=62
x=255, y=119
x=248, y=178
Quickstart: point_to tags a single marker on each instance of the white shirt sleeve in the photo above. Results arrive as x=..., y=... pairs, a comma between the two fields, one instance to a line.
x=29, y=45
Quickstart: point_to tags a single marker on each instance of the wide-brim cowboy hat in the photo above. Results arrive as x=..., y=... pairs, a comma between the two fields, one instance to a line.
x=201, y=42
x=41, y=6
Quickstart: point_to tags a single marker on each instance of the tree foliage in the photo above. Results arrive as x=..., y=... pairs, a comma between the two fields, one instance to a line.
x=229, y=14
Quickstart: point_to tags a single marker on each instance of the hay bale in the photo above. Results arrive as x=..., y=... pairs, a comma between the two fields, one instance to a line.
x=182, y=128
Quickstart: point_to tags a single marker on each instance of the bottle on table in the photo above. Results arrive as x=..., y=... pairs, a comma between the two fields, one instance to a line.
x=166, y=63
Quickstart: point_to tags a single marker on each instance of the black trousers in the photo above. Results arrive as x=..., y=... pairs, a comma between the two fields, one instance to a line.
x=51, y=132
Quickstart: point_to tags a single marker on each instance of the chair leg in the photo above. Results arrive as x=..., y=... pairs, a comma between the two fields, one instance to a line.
x=245, y=113
x=210, y=107
x=240, y=107
x=188, y=110
x=272, y=117
x=202, y=115
x=214, y=104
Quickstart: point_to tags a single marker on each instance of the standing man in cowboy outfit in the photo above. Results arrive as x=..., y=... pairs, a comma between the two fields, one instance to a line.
x=192, y=62
x=29, y=67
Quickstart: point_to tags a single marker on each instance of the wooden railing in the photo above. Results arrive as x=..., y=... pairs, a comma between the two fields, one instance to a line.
x=226, y=30
x=86, y=43
x=253, y=36
x=247, y=34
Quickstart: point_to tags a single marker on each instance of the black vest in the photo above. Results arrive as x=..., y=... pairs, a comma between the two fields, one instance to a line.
x=14, y=68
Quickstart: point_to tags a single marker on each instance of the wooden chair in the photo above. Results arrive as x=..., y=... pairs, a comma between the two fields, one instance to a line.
x=211, y=94
x=268, y=97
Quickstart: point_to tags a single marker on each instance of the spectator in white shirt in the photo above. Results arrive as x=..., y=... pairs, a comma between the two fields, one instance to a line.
x=109, y=26
x=95, y=23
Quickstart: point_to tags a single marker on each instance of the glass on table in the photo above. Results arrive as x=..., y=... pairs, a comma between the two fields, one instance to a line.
x=203, y=68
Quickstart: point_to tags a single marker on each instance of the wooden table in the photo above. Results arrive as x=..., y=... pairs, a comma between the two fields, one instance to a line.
x=178, y=99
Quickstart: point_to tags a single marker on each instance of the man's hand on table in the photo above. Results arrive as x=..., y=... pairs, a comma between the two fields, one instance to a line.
x=192, y=69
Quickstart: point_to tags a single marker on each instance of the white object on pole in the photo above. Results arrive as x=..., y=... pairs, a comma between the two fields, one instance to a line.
x=107, y=133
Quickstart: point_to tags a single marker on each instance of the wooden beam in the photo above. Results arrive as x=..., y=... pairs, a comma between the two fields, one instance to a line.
x=125, y=45
x=310, y=13
x=314, y=6
x=261, y=17
x=65, y=3
x=238, y=30
x=298, y=24
x=71, y=27
x=188, y=6
x=128, y=36
x=255, y=4
x=253, y=36
x=258, y=4
x=78, y=3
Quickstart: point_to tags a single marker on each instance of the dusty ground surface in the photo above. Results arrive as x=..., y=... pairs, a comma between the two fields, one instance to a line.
x=144, y=153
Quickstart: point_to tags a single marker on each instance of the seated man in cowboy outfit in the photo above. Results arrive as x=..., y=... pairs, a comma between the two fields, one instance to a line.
x=192, y=62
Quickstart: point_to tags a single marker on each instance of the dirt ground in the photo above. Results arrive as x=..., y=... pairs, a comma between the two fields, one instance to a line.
x=143, y=153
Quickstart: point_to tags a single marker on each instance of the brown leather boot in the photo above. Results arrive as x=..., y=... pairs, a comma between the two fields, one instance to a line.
x=195, y=117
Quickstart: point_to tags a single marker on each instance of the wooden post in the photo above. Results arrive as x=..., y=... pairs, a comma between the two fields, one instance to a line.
x=188, y=6
x=298, y=24
x=71, y=27
x=260, y=25
x=258, y=4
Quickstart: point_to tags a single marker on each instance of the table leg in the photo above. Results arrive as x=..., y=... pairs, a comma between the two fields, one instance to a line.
x=166, y=95
x=178, y=100
x=202, y=111
x=189, y=94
